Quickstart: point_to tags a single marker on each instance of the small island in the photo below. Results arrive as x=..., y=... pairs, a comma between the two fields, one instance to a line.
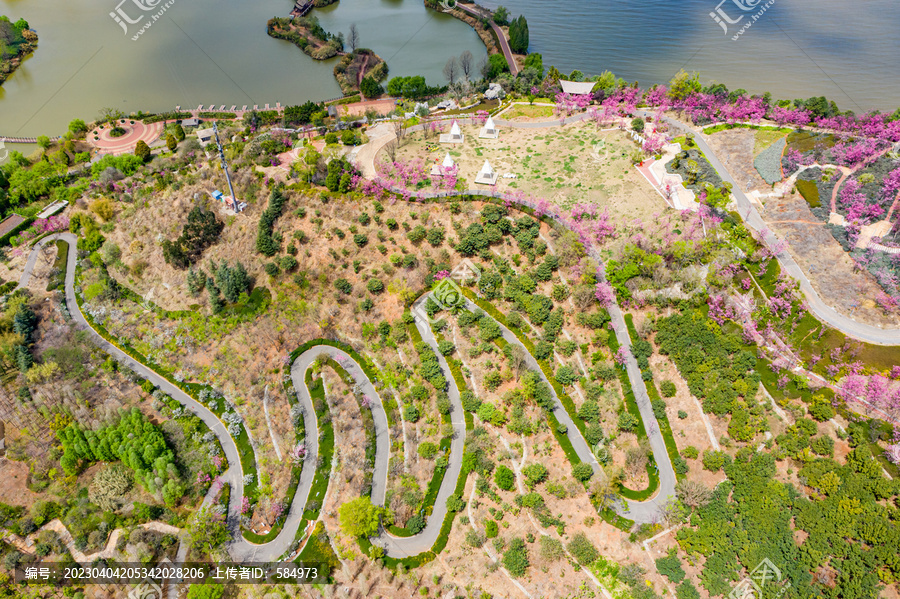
x=360, y=68
x=16, y=42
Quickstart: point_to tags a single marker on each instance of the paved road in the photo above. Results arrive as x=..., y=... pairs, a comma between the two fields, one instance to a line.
x=239, y=548
x=233, y=474
x=406, y=546
x=504, y=45
x=645, y=511
x=639, y=511
x=817, y=306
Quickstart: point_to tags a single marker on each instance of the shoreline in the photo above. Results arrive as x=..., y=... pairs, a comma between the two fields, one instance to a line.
x=8, y=66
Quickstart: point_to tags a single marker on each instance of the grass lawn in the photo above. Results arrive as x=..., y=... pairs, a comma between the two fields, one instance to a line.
x=766, y=137
x=524, y=110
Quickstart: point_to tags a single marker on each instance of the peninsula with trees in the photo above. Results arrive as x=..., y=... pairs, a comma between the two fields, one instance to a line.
x=16, y=42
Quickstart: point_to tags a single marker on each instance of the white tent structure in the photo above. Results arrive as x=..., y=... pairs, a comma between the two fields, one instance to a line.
x=447, y=163
x=577, y=88
x=489, y=131
x=454, y=137
x=487, y=175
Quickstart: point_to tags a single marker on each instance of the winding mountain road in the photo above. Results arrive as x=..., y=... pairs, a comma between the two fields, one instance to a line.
x=239, y=548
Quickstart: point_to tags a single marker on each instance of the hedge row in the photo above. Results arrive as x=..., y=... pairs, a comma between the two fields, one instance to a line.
x=437, y=479
x=367, y=367
x=299, y=435
x=326, y=450
x=565, y=443
x=664, y=426
x=441, y=542
x=165, y=116
x=16, y=230
x=564, y=398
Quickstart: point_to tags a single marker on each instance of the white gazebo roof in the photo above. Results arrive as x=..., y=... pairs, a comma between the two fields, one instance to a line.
x=489, y=125
x=577, y=88
x=448, y=162
x=486, y=169
x=454, y=130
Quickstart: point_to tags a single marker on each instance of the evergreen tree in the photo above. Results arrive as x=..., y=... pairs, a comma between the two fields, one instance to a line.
x=518, y=35
x=142, y=151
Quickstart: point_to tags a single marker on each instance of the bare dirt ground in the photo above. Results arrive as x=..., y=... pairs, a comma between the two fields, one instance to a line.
x=382, y=107
x=738, y=148
x=14, y=490
x=825, y=262
x=566, y=165
x=822, y=258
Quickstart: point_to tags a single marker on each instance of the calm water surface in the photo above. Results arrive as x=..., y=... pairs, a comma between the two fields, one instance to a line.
x=216, y=51
x=845, y=50
x=202, y=52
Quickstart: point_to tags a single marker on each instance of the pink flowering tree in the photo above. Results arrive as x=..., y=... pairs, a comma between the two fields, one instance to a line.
x=298, y=453
x=605, y=294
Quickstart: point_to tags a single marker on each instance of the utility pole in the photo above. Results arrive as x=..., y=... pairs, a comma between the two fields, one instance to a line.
x=225, y=168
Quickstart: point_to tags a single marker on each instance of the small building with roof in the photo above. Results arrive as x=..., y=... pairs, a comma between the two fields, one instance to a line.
x=206, y=136
x=438, y=170
x=454, y=137
x=577, y=88
x=489, y=131
x=487, y=175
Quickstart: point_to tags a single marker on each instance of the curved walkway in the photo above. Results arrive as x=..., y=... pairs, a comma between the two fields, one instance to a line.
x=822, y=311
x=752, y=218
x=640, y=511
x=126, y=143
x=239, y=548
x=501, y=37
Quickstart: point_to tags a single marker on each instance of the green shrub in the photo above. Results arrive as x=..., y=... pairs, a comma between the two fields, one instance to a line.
x=411, y=413
x=427, y=450
x=505, y=478
x=582, y=471
x=582, y=549
x=535, y=474
x=491, y=529
x=667, y=388
x=670, y=567
x=515, y=559
x=344, y=286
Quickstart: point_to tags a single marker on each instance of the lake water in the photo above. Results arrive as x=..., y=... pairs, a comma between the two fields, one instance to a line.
x=844, y=50
x=216, y=51
x=202, y=52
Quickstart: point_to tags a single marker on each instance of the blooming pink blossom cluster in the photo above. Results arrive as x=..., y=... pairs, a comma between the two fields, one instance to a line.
x=605, y=294
x=447, y=180
x=245, y=505
x=42, y=226
x=566, y=104
x=719, y=310
x=653, y=144
x=856, y=204
x=402, y=173
x=856, y=153
x=441, y=275
x=298, y=452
